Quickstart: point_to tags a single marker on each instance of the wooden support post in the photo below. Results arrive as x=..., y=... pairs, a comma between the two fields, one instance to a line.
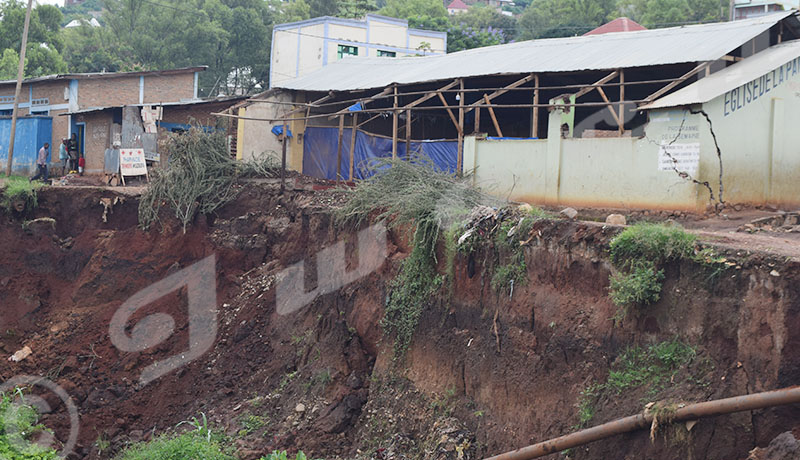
x=369, y=99
x=610, y=106
x=353, y=145
x=677, y=82
x=535, y=118
x=451, y=114
x=339, y=149
x=283, y=156
x=477, y=127
x=408, y=133
x=460, y=159
x=394, y=125
x=430, y=95
x=504, y=90
x=494, y=118
x=621, y=102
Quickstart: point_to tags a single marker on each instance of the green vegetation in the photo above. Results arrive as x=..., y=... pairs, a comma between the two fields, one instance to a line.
x=638, y=252
x=511, y=269
x=199, y=177
x=198, y=443
x=652, y=368
x=19, y=428
x=641, y=286
x=284, y=456
x=656, y=243
x=251, y=423
x=19, y=191
x=411, y=195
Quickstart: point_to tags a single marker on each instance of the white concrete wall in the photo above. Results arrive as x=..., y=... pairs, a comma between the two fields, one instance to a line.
x=283, y=62
x=312, y=42
x=760, y=156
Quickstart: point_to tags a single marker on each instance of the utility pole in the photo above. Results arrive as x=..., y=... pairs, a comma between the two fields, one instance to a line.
x=732, y=10
x=20, y=73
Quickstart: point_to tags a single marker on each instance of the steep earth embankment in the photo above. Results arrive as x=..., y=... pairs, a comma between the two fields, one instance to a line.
x=485, y=372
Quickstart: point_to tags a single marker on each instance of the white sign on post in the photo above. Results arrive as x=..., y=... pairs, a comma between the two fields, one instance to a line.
x=131, y=162
x=683, y=157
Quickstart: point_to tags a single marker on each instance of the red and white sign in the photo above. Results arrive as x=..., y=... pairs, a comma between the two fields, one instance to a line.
x=131, y=162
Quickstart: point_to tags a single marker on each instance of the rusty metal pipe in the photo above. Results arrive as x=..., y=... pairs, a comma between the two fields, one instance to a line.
x=637, y=422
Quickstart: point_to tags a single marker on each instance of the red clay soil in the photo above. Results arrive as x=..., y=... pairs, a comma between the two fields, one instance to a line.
x=485, y=373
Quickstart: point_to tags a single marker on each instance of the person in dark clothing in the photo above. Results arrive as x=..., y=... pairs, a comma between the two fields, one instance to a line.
x=41, y=163
x=72, y=150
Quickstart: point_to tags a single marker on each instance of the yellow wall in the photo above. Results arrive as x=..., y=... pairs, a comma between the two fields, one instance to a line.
x=437, y=44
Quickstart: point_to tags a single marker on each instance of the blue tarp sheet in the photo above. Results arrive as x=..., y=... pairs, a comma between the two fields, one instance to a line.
x=32, y=133
x=320, y=149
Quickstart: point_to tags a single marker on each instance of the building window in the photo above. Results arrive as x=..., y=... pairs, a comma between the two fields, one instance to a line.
x=5, y=113
x=382, y=53
x=40, y=112
x=346, y=50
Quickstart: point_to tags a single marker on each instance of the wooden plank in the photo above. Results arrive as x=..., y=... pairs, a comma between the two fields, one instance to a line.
x=353, y=145
x=394, y=125
x=460, y=159
x=535, y=123
x=452, y=115
x=504, y=90
x=494, y=118
x=477, y=127
x=677, y=82
x=283, y=155
x=339, y=149
x=369, y=119
x=597, y=84
x=430, y=95
x=345, y=110
x=610, y=106
x=621, y=102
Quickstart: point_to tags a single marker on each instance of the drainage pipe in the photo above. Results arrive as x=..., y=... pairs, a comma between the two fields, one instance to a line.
x=637, y=422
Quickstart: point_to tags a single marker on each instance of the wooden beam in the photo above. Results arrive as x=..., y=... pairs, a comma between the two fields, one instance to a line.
x=430, y=95
x=494, y=118
x=610, y=106
x=535, y=122
x=677, y=82
x=346, y=110
x=283, y=157
x=339, y=149
x=408, y=133
x=460, y=159
x=621, y=102
x=308, y=107
x=353, y=144
x=394, y=125
x=504, y=90
x=369, y=119
x=477, y=126
x=452, y=115
x=597, y=84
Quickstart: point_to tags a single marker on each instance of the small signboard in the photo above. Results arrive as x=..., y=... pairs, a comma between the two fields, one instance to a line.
x=683, y=157
x=131, y=162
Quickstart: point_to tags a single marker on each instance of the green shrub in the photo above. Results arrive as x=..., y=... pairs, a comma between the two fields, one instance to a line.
x=19, y=427
x=654, y=243
x=641, y=286
x=199, y=443
x=19, y=188
x=516, y=270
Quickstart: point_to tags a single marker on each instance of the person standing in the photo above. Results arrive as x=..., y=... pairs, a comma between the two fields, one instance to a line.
x=62, y=155
x=72, y=150
x=41, y=163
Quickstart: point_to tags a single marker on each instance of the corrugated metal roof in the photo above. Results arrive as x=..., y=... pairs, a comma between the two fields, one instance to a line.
x=730, y=77
x=695, y=43
x=71, y=76
x=192, y=102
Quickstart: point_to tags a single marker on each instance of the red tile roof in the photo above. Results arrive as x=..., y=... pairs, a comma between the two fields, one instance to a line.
x=617, y=25
x=457, y=5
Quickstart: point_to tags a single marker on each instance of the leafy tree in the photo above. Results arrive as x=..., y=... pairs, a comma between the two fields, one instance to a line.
x=563, y=18
x=421, y=14
x=319, y=8
x=479, y=26
x=45, y=42
x=661, y=13
x=356, y=8
x=8, y=64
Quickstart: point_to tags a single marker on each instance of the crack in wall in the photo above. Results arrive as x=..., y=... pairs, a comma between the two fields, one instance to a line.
x=716, y=145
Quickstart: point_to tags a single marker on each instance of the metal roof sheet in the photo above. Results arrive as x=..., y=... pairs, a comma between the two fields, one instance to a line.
x=694, y=43
x=731, y=77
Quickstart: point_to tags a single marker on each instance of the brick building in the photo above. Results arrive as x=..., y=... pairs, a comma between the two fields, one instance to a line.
x=54, y=95
x=123, y=124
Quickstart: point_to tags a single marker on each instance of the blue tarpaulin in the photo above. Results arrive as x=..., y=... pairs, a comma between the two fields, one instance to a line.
x=320, y=151
x=357, y=107
x=278, y=130
x=32, y=133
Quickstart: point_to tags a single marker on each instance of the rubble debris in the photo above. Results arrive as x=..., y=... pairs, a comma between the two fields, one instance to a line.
x=616, y=219
x=569, y=213
x=785, y=222
x=21, y=354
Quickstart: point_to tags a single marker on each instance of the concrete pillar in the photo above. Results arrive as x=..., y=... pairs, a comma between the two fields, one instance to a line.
x=552, y=177
x=470, y=156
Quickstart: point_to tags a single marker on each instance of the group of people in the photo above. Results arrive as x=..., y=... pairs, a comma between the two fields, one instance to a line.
x=67, y=155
